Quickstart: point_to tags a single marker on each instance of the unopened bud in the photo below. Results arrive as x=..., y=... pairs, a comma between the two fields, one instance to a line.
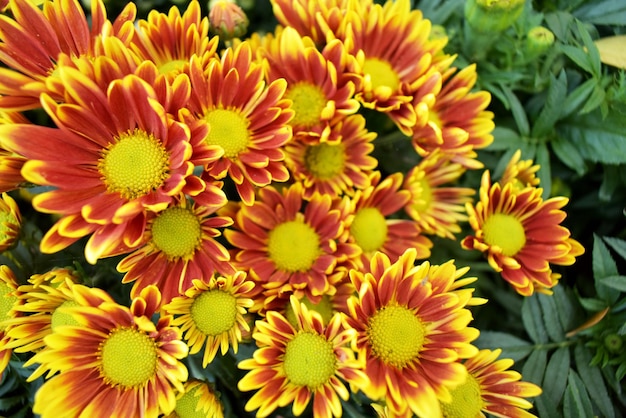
x=228, y=20
x=538, y=41
x=492, y=16
x=10, y=222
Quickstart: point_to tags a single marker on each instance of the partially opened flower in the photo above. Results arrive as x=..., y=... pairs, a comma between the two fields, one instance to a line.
x=340, y=164
x=33, y=39
x=113, y=156
x=411, y=334
x=211, y=314
x=435, y=206
x=492, y=389
x=198, y=400
x=247, y=119
x=372, y=227
x=521, y=234
x=458, y=122
x=117, y=362
x=10, y=222
x=297, y=363
x=179, y=245
x=523, y=173
x=287, y=242
x=9, y=299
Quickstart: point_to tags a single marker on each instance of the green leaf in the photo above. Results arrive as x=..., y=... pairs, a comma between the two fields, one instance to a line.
x=606, y=12
x=504, y=139
x=615, y=282
x=594, y=381
x=545, y=172
x=568, y=154
x=603, y=266
x=568, y=308
x=533, y=320
x=546, y=407
x=619, y=245
x=598, y=94
x=579, y=56
x=591, y=49
x=597, y=139
x=535, y=367
x=559, y=22
x=512, y=347
x=576, y=403
x=555, y=379
x=552, y=108
x=550, y=316
x=519, y=114
x=577, y=97
x=610, y=182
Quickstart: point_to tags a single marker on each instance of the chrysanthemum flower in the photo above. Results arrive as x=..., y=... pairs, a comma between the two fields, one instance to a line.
x=179, y=245
x=437, y=208
x=394, y=52
x=521, y=234
x=248, y=120
x=458, y=123
x=10, y=163
x=170, y=40
x=41, y=299
x=34, y=38
x=9, y=298
x=337, y=165
x=411, y=334
x=116, y=363
x=10, y=222
x=371, y=226
x=287, y=242
x=319, y=83
x=296, y=363
x=197, y=401
x=521, y=173
x=113, y=156
x=211, y=314
x=491, y=388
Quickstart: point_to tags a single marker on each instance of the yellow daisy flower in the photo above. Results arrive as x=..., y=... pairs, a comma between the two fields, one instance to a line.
x=211, y=314
x=281, y=368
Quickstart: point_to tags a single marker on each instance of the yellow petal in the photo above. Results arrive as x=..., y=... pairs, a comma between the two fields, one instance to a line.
x=612, y=51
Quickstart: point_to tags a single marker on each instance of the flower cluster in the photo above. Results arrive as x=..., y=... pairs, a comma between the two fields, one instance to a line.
x=235, y=183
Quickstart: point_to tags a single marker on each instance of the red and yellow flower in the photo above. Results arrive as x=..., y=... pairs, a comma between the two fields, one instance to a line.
x=521, y=234
x=10, y=163
x=117, y=362
x=280, y=369
x=411, y=333
x=211, y=314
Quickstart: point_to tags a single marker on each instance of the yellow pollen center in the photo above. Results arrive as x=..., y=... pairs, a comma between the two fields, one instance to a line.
x=369, y=229
x=60, y=317
x=8, y=222
x=128, y=358
x=308, y=101
x=7, y=300
x=229, y=130
x=293, y=246
x=381, y=73
x=324, y=307
x=309, y=360
x=214, y=312
x=172, y=67
x=396, y=335
x=466, y=400
x=325, y=161
x=422, y=196
x=177, y=232
x=134, y=165
x=506, y=232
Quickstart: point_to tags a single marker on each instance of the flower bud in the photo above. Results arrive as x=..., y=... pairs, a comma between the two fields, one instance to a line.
x=228, y=20
x=10, y=222
x=492, y=16
x=538, y=42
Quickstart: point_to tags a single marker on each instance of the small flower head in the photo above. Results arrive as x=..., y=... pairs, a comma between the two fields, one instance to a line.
x=10, y=222
x=228, y=20
x=198, y=400
x=9, y=301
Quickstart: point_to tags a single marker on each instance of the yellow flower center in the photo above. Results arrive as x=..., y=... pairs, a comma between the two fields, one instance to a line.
x=466, y=400
x=214, y=312
x=128, y=358
x=506, y=232
x=324, y=307
x=369, y=229
x=135, y=165
x=381, y=73
x=186, y=405
x=8, y=222
x=7, y=300
x=308, y=101
x=293, y=246
x=172, y=67
x=59, y=317
x=325, y=161
x=229, y=130
x=309, y=360
x=422, y=196
x=396, y=335
x=177, y=232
